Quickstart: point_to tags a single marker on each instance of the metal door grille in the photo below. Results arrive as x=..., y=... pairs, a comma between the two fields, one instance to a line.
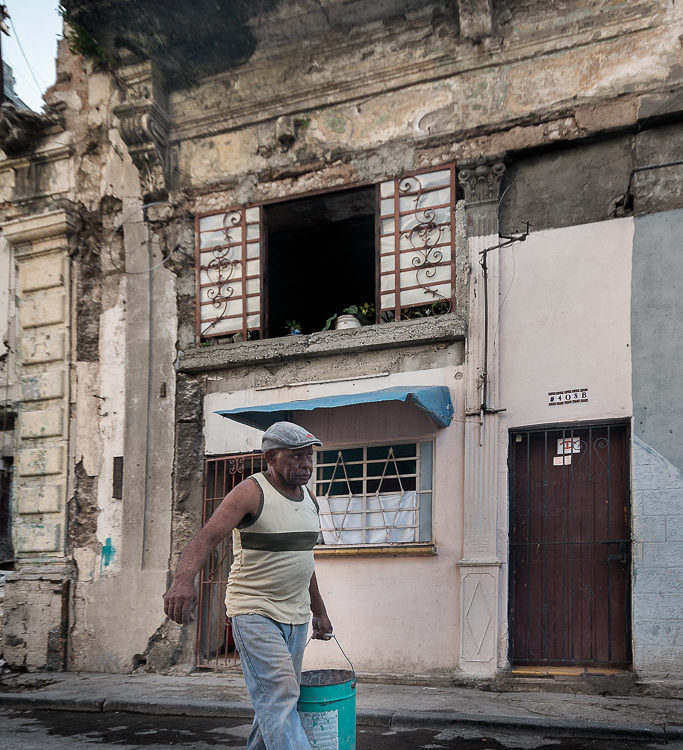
x=215, y=647
x=570, y=547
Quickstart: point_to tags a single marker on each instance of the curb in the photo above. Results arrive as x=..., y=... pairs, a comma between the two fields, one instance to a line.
x=367, y=717
x=176, y=707
x=546, y=724
x=91, y=704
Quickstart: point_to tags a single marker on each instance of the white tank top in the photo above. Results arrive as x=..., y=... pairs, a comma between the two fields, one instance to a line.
x=273, y=557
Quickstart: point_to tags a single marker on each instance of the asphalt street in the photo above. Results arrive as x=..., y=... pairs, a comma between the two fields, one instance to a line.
x=63, y=730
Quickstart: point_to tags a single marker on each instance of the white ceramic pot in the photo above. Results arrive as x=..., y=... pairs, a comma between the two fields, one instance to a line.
x=347, y=321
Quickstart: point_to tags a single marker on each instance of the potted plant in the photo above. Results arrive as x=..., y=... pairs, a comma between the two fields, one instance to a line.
x=293, y=327
x=353, y=316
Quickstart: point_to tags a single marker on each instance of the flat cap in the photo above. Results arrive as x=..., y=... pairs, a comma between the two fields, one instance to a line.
x=287, y=435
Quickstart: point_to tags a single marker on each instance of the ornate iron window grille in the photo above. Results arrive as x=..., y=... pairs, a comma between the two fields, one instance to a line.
x=222, y=268
x=229, y=273
x=427, y=237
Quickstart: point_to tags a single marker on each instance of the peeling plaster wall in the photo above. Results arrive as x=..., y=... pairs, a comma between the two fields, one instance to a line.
x=86, y=170
x=9, y=390
x=6, y=277
x=541, y=86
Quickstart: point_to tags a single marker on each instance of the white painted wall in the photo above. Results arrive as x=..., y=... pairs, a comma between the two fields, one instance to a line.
x=564, y=323
x=112, y=388
x=380, y=607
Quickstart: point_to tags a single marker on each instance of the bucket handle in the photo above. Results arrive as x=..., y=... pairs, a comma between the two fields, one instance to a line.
x=332, y=635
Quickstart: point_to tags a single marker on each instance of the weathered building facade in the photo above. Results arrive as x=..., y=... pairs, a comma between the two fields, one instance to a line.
x=496, y=184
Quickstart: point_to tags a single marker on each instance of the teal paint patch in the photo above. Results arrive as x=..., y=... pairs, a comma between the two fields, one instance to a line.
x=107, y=554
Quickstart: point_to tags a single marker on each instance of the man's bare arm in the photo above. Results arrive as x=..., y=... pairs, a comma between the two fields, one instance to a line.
x=181, y=599
x=321, y=625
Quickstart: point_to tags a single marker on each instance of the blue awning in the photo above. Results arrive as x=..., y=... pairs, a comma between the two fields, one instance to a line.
x=433, y=400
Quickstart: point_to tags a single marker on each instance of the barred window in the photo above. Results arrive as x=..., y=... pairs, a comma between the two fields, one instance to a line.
x=378, y=253
x=379, y=494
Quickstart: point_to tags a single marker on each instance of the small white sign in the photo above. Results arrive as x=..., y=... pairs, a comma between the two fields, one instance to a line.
x=562, y=460
x=572, y=396
x=568, y=445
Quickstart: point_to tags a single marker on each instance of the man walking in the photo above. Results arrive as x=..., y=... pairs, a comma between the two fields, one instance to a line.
x=272, y=588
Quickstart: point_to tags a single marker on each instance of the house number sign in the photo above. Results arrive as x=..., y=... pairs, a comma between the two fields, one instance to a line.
x=572, y=396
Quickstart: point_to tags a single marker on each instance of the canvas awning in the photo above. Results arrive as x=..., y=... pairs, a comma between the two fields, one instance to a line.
x=433, y=400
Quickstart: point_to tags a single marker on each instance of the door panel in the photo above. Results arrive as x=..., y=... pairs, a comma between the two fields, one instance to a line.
x=569, y=546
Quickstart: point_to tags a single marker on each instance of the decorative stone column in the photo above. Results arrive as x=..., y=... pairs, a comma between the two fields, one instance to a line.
x=37, y=593
x=480, y=564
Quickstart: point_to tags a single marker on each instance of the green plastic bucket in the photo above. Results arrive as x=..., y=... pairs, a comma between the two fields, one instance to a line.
x=327, y=707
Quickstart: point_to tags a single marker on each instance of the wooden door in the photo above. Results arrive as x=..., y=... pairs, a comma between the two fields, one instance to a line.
x=570, y=546
x=215, y=646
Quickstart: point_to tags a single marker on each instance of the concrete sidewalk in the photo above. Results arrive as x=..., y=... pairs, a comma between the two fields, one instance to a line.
x=225, y=695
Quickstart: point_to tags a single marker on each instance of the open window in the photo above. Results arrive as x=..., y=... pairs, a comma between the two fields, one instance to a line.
x=320, y=258
x=388, y=249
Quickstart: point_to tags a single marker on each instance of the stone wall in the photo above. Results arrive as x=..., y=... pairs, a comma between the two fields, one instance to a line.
x=657, y=451
x=36, y=622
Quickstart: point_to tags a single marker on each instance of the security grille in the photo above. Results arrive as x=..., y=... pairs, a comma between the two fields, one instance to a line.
x=229, y=250
x=375, y=494
x=215, y=646
x=570, y=546
x=417, y=243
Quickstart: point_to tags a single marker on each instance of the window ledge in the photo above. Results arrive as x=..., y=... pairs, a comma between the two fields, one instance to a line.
x=444, y=328
x=368, y=550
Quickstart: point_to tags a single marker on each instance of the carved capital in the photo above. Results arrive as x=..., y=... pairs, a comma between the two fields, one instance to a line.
x=480, y=179
x=144, y=126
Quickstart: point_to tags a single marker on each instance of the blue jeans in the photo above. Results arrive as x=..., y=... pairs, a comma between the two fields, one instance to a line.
x=271, y=654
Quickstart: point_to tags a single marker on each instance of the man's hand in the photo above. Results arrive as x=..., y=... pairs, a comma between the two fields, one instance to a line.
x=180, y=602
x=322, y=628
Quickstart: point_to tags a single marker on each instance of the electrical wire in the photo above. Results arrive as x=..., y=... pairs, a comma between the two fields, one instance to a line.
x=41, y=88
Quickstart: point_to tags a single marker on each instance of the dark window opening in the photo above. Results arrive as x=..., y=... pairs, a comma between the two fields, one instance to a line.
x=117, y=479
x=320, y=258
x=5, y=509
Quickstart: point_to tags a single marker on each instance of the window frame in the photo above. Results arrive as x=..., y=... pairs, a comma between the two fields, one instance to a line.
x=425, y=458
x=430, y=264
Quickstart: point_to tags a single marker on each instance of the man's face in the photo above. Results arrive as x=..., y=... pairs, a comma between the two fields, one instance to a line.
x=295, y=466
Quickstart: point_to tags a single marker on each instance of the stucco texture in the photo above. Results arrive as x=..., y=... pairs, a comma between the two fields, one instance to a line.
x=656, y=315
